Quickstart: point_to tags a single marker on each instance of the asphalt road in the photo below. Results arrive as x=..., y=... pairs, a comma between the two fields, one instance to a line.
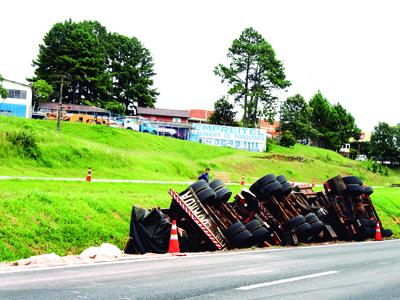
x=352, y=271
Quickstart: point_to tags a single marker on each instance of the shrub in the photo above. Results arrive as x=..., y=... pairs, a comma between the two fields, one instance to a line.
x=287, y=140
x=25, y=142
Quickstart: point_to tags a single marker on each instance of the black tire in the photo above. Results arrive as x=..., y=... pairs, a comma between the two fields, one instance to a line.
x=217, y=184
x=321, y=213
x=199, y=185
x=354, y=189
x=311, y=218
x=223, y=195
x=234, y=229
x=317, y=227
x=304, y=232
x=265, y=180
x=207, y=195
x=270, y=189
x=255, y=190
x=252, y=202
x=253, y=225
x=260, y=235
x=282, y=179
x=286, y=189
x=294, y=222
x=352, y=180
x=368, y=190
x=242, y=240
x=367, y=223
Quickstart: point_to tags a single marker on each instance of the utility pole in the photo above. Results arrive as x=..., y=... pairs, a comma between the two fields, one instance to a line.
x=60, y=104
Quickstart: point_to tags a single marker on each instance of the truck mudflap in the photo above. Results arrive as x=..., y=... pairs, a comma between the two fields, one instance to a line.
x=195, y=210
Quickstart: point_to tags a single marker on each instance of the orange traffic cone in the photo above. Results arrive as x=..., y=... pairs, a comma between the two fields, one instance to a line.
x=174, y=242
x=242, y=181
x=89, y=175
x=378, y=236
x=313, y=183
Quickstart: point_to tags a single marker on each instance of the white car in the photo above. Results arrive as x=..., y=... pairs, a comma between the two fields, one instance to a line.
x=361, y=157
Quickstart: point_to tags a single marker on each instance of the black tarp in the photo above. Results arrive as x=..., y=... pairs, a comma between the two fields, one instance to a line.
x=149, y=232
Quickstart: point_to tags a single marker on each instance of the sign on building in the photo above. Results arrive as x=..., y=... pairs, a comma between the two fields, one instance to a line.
x=251, y=139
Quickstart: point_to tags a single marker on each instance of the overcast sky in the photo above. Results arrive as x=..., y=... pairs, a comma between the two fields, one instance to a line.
x=350, y=50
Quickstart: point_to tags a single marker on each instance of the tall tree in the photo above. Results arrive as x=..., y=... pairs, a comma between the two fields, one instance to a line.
x=100, y=67
x=77, y=51
x=131, y=67
x=333, y=124
x=3, y=91
x=253, y=74
x=223, y=113
x=295, y=117
x=383, y=143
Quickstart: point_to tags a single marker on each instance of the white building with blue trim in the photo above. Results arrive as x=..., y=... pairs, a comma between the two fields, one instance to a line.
x=19, y=100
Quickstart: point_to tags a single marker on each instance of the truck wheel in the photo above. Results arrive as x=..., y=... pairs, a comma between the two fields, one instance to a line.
x=270, y=189
x=253, y=225
x=267, y=179
x=223, y=195
x=260, y=235
x=317, y=227
x=294, y=222
x=207, y=195
x=282, y=179
x=217, y=184
x=255, y=190
x=387, y=232
x=368, y=190
x=311, y=218
x=304, y=232
x=352, y=180
x=354, y=189
x=199, y=185
x=242, y=240
x=286, y=189
x=234, y=229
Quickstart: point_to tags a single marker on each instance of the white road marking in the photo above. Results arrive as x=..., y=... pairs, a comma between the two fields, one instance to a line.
x=281, y=281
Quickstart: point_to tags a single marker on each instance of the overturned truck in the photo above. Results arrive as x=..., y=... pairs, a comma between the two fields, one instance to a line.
x=271, y=212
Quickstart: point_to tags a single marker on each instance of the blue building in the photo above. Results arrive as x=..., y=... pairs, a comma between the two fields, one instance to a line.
x=19, y=100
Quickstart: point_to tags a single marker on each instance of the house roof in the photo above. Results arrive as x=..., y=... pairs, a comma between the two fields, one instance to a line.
x=24, y=84
x=72, y=107
x=163, y=112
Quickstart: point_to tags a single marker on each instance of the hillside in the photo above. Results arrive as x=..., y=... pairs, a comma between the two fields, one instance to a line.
x=116, y=153
x=67, y=217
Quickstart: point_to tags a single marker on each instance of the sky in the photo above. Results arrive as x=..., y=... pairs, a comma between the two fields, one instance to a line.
x=349, y=50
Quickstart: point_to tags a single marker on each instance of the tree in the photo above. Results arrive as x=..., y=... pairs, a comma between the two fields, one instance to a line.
x=3, y=91
x=253, y=74
x=333, y=125
x=223, y=113
x=131, y=67
x=41, y=90
x=77, y=51
x=295, y=117
x=383, y=144
x=100, y=67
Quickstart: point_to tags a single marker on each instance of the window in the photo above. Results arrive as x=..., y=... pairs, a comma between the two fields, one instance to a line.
x=16, y=94
x=176, y=120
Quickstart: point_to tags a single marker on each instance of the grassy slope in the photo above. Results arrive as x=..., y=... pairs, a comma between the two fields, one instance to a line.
x=67, y=217
x=116, y=153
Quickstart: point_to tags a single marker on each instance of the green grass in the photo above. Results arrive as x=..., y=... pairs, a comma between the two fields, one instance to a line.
x=67, y=217
x=387, y=204
x=117, y=153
